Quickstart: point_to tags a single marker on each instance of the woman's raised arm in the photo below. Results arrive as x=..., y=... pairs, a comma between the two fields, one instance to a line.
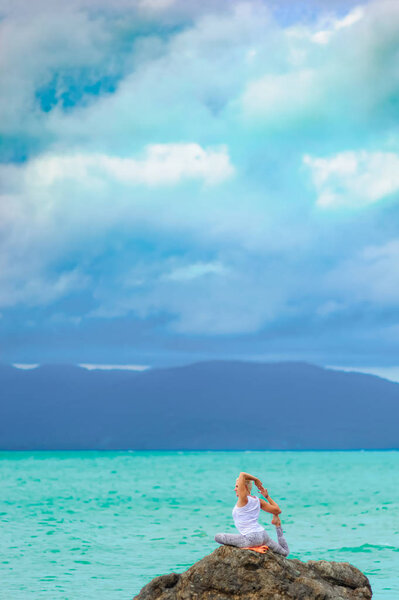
x=249, y=477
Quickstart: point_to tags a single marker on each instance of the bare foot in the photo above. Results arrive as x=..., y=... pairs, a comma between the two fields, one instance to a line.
x=276, y=521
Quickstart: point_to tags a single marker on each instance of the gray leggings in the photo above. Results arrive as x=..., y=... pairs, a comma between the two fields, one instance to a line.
x=257, y=538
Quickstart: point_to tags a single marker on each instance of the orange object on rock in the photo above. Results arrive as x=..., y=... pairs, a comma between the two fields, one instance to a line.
x=260, y=549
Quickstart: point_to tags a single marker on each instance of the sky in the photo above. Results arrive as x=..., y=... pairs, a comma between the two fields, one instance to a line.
x=190, y=180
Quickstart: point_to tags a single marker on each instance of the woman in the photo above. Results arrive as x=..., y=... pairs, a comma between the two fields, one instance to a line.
x=246, y=514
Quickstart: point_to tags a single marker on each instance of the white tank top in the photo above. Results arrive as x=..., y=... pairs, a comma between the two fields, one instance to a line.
x=246, y=517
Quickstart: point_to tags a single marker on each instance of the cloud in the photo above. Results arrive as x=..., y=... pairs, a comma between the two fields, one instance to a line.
x=323, y=36
x=156, y=5
x=31, y=285
x=49, y=58
x=328, y=92
x=281, y=96
x=53, y=207
x=190, y=272
x=162, y=160
x=391, y=373
x=107, y=367
x=196, y=72
x=227, y=295
x=371, y=276
x=162, y=164
x=354, y=179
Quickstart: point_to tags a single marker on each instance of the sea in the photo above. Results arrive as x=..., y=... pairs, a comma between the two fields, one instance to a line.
x=100, y=525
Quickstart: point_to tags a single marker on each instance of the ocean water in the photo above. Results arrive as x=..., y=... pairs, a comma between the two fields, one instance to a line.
x=100, y=525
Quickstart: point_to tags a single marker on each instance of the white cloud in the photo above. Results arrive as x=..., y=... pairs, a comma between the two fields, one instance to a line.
x=323, y=36
x=47, y=49
x=162, y=164
x=332, y=78
x=155, y=5
x=27, y=282
x=325, y=27
x=95, y=198
x=195, y=270
x=213, y=298
x=55, y=204
x=371, y=276
x=94, y=367
x=197, y=73
x=281, y=96
x=390, y=373
x=354, y=179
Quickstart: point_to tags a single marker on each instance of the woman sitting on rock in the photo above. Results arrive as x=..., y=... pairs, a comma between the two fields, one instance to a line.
x=246, y=514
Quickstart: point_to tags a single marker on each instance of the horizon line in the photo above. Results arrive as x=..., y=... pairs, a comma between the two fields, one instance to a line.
x=248, y=450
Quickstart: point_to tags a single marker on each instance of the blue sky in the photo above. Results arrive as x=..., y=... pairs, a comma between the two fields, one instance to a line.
x=191, y=180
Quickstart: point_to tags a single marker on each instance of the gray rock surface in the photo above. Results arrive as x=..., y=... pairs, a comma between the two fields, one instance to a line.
x=235, y=574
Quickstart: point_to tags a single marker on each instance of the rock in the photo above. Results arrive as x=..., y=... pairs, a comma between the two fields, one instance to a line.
x=235, y=574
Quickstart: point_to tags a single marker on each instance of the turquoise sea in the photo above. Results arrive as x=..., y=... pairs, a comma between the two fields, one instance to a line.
x=100, y=525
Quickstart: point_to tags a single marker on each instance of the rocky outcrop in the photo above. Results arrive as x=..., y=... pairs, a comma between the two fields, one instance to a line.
x=235, y=574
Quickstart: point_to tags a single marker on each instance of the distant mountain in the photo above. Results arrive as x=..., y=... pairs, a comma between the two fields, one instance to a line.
x=209, y=405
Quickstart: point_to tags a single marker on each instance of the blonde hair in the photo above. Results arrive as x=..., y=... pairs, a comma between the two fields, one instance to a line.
x=248, y=483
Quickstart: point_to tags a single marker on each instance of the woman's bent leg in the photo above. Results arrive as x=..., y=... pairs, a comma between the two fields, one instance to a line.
x=255, y=539
x=281, y=547
x=231, y=539
x=240, y=541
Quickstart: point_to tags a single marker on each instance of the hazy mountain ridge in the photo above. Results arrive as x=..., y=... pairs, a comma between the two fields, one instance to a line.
x=210, y=405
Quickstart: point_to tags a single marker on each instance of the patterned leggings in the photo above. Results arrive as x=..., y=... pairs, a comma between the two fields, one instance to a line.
x=256, y=538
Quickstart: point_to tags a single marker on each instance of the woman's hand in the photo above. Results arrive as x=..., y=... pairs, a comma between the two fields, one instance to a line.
x=260, y=487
